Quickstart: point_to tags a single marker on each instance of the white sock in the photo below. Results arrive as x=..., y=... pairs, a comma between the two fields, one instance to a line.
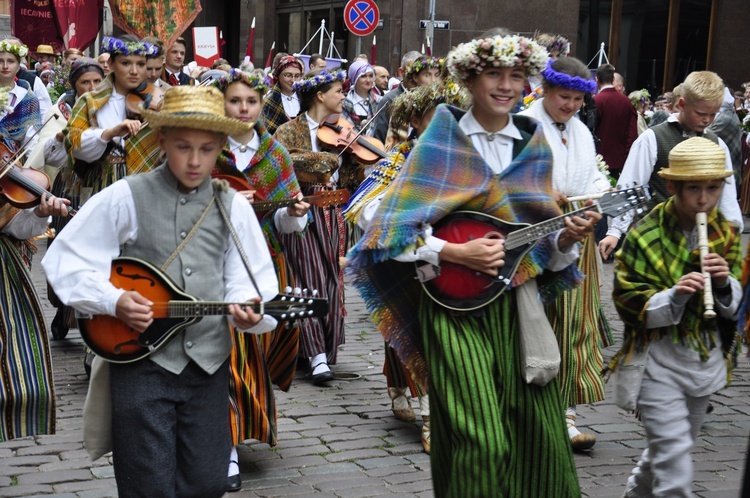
x=424, y=405
x=572, y=430
x=234, y=468
x=319, y=364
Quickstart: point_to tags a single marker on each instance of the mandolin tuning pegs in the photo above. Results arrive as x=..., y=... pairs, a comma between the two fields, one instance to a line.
x=315, y=292
x=287, y=290
x=297, y=291
x=283, y=316
x=305, y=292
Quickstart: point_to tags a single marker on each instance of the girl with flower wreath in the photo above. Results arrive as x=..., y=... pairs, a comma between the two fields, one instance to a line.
x=415, y=109
x=314, y=259
x=27, y=397
x=494, y=400
x=421, y=72
x=259, y=360
x=105, y=141
x=282, y=103
x=576, y=315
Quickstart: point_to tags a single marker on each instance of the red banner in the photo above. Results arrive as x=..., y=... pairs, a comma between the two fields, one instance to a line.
x=78, y=21
x=34, y=23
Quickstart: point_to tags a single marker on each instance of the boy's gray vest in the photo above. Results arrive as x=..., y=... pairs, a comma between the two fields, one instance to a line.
x=668, y=135
x=165, y=217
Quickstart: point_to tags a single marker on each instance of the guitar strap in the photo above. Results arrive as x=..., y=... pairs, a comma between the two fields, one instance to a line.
x=225, y=215
x=189, y=235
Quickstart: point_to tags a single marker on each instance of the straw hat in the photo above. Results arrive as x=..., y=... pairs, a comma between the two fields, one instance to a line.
x=696, y=159
x=45, y=49
x=197, y=108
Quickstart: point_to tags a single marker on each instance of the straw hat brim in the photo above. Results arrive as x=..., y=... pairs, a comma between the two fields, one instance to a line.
x=196, y=121
x=694, y=177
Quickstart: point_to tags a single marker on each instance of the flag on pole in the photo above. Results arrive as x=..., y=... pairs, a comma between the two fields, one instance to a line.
x=250, y=42
x=269, y=60
x=222, y=43
x=373, y=50
x=429, y=48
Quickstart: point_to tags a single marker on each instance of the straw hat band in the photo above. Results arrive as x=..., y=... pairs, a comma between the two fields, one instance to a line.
x=197, y=108
x=697, y=159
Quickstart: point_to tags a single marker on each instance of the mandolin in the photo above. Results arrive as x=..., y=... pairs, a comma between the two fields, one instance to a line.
x=460, y=288
x=323, y=198
x=173, y=309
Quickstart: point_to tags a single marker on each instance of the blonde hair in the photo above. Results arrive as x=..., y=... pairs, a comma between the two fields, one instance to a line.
x=703, y=86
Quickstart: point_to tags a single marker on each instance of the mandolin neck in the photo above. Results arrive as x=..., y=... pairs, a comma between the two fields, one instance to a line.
x=533, y=233
x=177, y=309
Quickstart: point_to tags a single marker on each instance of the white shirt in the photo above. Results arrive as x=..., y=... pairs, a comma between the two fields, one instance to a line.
x=640, y=164
x=316, y=146
x=45, y=101
x=281, y=219
x=25, y=225
x=291, y=104
x=78, y=264
x=495, y=148
x=111, y=114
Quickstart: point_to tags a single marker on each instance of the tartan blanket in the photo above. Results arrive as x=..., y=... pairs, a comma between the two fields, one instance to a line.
x=141, y=151
x=270, y=172
x=445, y=173
x=13, y=126
x=273, y=112
x=653, y=257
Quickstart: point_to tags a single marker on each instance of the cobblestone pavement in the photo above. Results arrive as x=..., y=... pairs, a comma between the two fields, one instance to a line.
x=343, y=441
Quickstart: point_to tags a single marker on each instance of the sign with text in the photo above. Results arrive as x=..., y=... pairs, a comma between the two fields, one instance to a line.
x=34, y=23
x=206, y=45
x=438, y=24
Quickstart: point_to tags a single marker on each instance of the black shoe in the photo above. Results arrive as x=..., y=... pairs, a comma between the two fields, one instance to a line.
x=234, y=483
x=58, y=327
x=322, y=378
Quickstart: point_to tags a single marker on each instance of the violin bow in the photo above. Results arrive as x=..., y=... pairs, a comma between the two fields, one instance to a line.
x=361, y=130
x=23, y=148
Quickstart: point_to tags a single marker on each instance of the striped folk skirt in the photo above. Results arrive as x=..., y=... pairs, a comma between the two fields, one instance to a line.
x=257, y=362
x=582, y=331
x=313, y=262
x=493, y=435
x=27, y=397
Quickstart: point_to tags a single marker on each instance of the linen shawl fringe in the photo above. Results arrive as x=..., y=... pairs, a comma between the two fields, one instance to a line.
x=653, y=257
x=426, y=192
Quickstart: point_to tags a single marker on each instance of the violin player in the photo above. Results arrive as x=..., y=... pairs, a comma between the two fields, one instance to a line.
x=27, y=399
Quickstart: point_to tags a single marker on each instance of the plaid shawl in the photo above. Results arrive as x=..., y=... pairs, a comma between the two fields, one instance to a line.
x=377, y=181
x=270, y=172
x=141, y=151
x=13, y=126
x=273, y=111
x=653, y=257
x=446, y=173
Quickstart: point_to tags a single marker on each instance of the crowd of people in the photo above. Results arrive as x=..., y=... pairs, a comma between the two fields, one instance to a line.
x=509, y=129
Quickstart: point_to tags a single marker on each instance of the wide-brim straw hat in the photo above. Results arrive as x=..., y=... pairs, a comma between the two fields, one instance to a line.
x=696, y=159
x=196, y=108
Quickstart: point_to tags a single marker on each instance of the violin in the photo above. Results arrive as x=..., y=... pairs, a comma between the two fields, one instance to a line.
x=22, y=188
x=338, y=133
x=146, y=95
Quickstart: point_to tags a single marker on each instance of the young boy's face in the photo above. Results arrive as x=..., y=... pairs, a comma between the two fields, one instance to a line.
x=696, y=116
x=496, y=91
x=695, y=197
x=191, y=154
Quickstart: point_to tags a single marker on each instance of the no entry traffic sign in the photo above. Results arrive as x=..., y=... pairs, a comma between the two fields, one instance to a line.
x=361, y=16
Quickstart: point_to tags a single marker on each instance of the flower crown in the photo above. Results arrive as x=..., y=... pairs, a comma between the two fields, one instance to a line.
x=321, y=78
x=115, y=46
x=498, y=51
x=564, y=80
x=557, y=43
x=255, y=82
x=423, y=63
x=420, y=100
x=19, y=51
x=640, y=97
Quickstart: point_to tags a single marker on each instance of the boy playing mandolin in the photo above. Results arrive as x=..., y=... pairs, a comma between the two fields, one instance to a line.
x=492, y=418
x=170, y=435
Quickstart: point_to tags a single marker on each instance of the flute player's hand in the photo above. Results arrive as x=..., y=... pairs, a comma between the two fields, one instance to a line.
x=690, y=283
x=716, y=266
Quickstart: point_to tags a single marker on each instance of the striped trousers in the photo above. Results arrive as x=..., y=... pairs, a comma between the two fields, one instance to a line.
x=492, y=434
